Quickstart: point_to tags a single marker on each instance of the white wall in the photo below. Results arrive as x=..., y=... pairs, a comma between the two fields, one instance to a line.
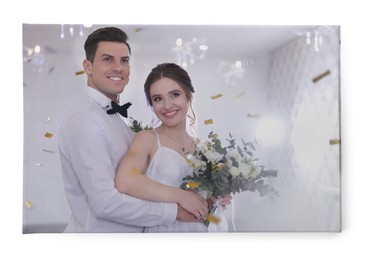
x=47, y=98
x=309, y=167
x=265, y=86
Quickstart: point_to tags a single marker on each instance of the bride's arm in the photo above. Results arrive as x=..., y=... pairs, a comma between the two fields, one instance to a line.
x=131, y=178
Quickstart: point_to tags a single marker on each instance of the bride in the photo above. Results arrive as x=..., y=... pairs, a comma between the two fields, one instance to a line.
x=155, y=163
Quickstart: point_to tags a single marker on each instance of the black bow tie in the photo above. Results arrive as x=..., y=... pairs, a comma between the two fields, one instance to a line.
x=119, y=109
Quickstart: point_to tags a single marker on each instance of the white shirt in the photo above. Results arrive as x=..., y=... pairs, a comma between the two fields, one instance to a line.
x=91, y=145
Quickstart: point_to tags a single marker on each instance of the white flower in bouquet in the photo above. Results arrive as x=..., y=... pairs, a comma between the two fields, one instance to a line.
x=195, y=162
x=202, y=146
x=213, y=156
x=233, y=155
x=234, y=171
x=246, y=170
x=241, y=164
x=254, y=173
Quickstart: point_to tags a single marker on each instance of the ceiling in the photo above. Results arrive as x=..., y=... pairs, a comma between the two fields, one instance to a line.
x=152, y=39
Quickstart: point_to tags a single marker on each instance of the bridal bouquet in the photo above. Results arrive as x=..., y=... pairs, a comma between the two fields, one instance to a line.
x=221, y=170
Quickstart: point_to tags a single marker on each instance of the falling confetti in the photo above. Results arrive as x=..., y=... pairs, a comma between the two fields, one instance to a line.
x=240, y=95
x=135, y=170
x=190, y=162
x=216, y=96
x=38, y=164
x=78, y=73
x=138, y=29
x=50, y=71
x=193, y=184
x=334, y=141
x=254, y=115
x=28, y=204
x=208, y=122
x=324, y=74
x=213, y=219
x=48, y=135
x=48, y=119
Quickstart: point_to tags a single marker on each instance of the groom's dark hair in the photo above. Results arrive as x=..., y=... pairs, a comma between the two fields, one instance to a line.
x=107, y=34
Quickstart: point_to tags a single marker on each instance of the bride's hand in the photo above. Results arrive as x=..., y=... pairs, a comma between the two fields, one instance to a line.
x=194, y=203
x=223, y=201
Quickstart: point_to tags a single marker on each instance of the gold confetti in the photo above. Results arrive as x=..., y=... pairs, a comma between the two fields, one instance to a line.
x=28, y=204
x=193, y=184
x=240, y=95
x=48, y=135
x=216, y=96
x=208, y=121
x=138, y=29
x=190, y=162
x=334, y=141
x=324, y=74
x=135, y=170
x=78, y=73
x=254, y=115
x=213, y=219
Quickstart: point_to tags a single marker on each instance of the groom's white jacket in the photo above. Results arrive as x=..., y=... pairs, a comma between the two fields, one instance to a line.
x=91, y=145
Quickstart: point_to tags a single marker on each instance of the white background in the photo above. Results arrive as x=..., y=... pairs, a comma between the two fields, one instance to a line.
x=241, y=245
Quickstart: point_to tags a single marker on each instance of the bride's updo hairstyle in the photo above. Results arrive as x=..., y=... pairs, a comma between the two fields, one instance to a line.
x=176, y=73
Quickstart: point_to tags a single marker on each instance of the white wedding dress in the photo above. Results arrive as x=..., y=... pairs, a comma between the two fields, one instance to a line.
x=169, y=167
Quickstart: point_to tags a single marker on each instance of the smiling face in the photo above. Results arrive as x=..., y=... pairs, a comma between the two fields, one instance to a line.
x=110, y=70
x=169, y=101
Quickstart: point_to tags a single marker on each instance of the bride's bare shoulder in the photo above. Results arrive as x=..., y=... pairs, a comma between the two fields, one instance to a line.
x=145, y=136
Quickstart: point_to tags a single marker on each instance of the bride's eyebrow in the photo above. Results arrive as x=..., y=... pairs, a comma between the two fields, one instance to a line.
x=175, y=91
x=170, y=92
x=154, y=96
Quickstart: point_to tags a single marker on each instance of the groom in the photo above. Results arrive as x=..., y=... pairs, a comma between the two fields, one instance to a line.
x=92, y=142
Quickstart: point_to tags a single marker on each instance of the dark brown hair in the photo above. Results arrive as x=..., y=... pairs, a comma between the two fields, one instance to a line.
x=107, y=34
x=174, y=72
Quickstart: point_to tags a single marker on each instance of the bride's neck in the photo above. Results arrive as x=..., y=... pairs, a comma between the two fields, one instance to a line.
x=176, y=133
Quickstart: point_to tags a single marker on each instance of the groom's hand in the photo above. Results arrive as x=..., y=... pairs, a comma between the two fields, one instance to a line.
x=185, y=216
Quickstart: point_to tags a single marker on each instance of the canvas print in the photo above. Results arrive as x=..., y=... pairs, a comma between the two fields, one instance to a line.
x=181, y=128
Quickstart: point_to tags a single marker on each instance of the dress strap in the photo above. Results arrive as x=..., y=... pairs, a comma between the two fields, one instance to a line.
x=157, y=137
